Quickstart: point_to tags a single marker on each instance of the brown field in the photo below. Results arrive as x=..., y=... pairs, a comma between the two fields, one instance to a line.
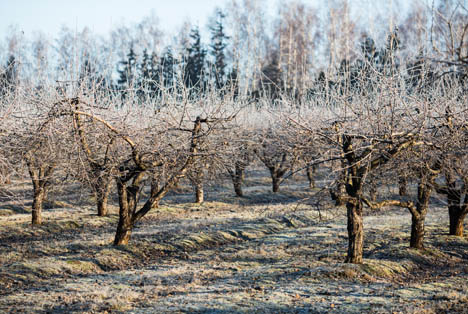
x=263, y=253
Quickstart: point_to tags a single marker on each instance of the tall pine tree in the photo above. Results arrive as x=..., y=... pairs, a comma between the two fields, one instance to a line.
x=128, y=72
x=195, y=63
x=218, y=45
x=168, y=64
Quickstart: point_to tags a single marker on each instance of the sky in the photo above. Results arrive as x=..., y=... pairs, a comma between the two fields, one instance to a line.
x=100, y=16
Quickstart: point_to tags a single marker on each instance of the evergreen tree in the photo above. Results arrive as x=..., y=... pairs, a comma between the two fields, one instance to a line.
x=271, y=81
x=154, y=73
x=168, y=64
x=218, y=45
x=195, y=62
x=233, y=83
x=127, y=75
x=144, y=75
x=369, y=50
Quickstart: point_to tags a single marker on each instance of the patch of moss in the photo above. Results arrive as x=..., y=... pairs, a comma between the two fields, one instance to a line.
x=386, y=269
x=79, y=266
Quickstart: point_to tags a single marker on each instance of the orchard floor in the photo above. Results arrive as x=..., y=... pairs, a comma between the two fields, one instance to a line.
x=263, y=253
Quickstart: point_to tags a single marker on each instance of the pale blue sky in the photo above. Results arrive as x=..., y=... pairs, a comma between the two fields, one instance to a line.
x=99, y=15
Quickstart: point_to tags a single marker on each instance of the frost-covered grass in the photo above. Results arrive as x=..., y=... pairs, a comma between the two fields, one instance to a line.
x=263, y=253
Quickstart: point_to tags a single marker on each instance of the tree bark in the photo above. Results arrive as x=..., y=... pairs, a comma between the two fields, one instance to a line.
x=417, y=231
x=199, y=193
x=127, y=190
x=38, y=201
x=124, y=228
x=102, y=191
x=402, y=185
x=418, y=215
x=102, y=205
x=338, y=195
x=373, y=192
x=311, y=170
x=124, y=231
x=275, y=181
x=237, y=177
x=355, y=231
x=238, y=187
x=457, y=217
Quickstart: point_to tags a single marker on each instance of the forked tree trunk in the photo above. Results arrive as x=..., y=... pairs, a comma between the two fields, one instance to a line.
x=457, y=217
x=38, y=201
x=40, y=177
x=311, y=170
x=418, y=214
x=127, y=206
x=275, y=180
x=355, y=231
x=417, y=231
x=129, y=187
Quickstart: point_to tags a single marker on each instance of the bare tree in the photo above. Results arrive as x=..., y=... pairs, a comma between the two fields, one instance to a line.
x=97, y=155
x=455, y=166
x=277, y=154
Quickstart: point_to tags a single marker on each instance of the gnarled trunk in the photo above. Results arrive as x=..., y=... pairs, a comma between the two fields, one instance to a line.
x=457, y=217
x=38, y=201
x=40, y=177
x=237, y=177
x=275, y=180
x=355, y=231
x=417, y=231
x=124, y=231
x=127, y=207
x=418, y=214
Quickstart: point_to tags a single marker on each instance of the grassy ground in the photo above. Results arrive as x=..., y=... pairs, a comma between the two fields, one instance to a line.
x=264, y=253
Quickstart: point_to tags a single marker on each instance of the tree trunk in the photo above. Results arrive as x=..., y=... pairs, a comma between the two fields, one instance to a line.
x=373, y=192
x=237, y=177
x=102, y=195
x=457, y=216
x=417, y=231
x=238, y=187
x=355, y=231
x=402, y=185
x=127, y=206
x=39, y=194
x=338, y=195
x=199, y=193
x=102, y=205
x=124, y=231
x=311, y=170
x=275, y=182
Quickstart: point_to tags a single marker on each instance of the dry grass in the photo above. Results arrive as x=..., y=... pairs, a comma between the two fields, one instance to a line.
x=262, y=253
